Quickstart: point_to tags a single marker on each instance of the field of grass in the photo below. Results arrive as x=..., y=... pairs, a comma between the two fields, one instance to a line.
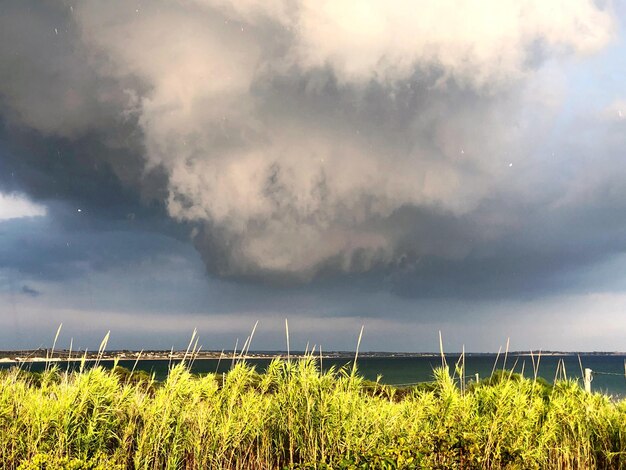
x=293, y=416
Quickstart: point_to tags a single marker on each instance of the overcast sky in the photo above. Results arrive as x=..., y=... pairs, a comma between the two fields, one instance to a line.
x=412, y=167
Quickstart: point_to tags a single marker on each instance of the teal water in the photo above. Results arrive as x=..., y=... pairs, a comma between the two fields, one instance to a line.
x=608, y=376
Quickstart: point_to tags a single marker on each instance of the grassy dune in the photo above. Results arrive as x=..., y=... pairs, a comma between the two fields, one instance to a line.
x=293, y=416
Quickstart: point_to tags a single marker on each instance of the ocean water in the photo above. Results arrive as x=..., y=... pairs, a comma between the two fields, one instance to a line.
x=608, y=370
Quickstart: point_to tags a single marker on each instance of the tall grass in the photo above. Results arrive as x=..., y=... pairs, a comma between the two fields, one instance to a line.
x=294, y=416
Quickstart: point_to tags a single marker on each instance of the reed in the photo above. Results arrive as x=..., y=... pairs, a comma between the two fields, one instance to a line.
x=295, y=416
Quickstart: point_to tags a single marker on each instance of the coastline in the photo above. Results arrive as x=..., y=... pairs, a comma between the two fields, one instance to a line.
x=42, y=355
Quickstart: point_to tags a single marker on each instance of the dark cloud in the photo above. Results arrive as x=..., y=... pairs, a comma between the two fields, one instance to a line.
x=299, y=155
x=67, y=244
x=29, y=291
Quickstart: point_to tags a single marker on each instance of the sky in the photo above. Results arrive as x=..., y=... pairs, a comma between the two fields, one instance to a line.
x=412, y=167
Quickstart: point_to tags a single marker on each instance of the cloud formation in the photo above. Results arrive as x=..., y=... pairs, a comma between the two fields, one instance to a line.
x=476, y=43
x=302, y=138
x=29, y=291
x=13, y=206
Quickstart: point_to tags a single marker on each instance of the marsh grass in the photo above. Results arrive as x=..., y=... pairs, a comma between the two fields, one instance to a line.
x=294, y=416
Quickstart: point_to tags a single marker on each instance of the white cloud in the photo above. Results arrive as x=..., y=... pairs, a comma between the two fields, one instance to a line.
x=616, y=111
x=14, y=206
x=476, y=42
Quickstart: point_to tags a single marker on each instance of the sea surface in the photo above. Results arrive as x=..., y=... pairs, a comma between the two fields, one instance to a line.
x=608, y=370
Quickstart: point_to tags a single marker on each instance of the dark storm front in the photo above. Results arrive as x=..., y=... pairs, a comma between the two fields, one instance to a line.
x=608, y=369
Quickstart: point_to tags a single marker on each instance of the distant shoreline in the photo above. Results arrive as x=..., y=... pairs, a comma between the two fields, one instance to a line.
x=42, y=355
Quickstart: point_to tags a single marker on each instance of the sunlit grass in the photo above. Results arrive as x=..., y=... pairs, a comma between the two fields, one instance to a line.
x=294, y=416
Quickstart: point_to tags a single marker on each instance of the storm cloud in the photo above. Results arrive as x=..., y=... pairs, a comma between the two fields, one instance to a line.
x=419, y=143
